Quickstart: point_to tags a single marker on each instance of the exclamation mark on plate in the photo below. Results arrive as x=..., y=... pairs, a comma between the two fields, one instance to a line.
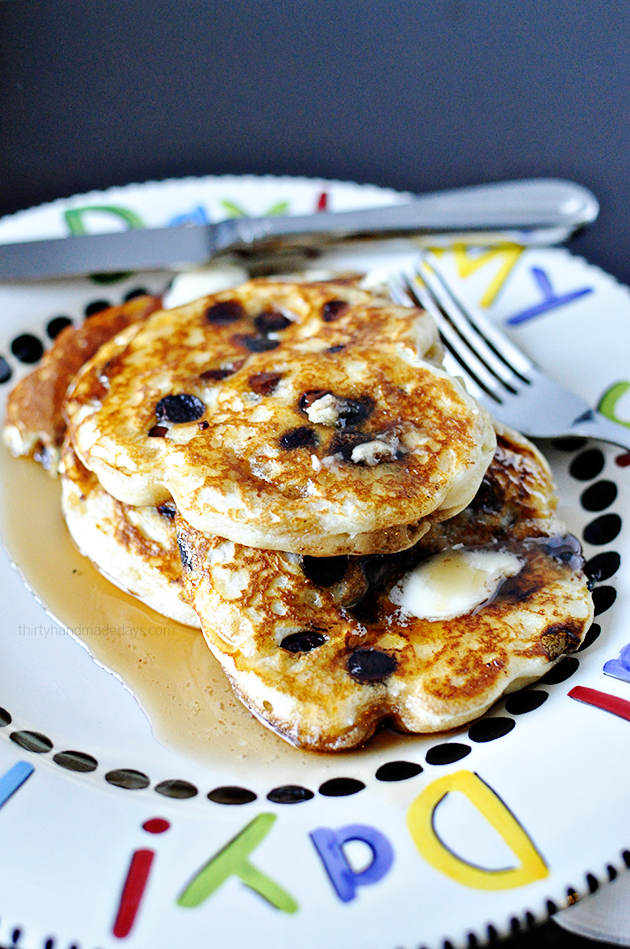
x=136, y=881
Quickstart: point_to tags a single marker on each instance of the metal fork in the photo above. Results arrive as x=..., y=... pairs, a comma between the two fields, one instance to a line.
x=495, y=371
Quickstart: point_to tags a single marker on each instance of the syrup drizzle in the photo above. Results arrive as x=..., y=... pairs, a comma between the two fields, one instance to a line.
x=175, y=678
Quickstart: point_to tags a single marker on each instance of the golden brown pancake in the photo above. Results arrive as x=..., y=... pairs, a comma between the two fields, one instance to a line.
x=304, y=417
x=34, y=423
x=134, y=547
x=323, y=649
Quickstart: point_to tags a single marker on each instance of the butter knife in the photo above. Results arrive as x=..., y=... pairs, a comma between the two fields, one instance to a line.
x=552, y=206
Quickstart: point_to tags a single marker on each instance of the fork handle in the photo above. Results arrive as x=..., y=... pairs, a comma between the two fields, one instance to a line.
x=595, y=425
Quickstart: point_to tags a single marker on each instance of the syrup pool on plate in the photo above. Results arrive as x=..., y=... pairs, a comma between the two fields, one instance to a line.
x=167, y=666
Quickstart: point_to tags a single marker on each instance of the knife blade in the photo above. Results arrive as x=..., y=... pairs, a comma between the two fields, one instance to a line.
x=544, y=203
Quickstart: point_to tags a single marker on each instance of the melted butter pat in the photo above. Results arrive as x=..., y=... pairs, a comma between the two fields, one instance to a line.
x=454, y=583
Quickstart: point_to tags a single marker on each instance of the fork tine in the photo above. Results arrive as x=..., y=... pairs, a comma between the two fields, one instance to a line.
x=507, y=362
x=532, y=403
x=405, y=294
x=462, y=355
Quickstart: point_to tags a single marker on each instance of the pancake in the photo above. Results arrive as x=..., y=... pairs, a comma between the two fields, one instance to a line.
x=322, y=650
x=34, y=423
x=310, y=418
x=135, y=548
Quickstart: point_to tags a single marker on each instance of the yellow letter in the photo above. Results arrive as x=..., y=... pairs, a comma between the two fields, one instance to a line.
x=509, y=253
x=420, y=822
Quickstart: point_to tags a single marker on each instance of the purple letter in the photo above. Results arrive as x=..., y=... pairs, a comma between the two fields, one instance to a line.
x=329, y=845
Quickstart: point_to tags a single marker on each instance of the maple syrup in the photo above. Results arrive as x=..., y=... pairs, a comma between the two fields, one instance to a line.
x=167, y=666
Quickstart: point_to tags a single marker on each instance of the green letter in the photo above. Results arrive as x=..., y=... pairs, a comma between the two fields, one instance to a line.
x=232, y=860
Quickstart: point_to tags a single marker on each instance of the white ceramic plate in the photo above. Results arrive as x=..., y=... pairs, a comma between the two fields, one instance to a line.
x=108, y=835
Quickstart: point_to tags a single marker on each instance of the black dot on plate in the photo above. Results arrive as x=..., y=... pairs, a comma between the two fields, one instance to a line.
x=5, y=370
x=75, y=761
x=563, y=671
x=519, y=703
x=289, y=794
x=49, y=944
x=27, y=348
x=590, y=637
x=32, y=741
x=593, y=883
x=488, y=729
x=602, y=566
x=231, y=795
x=127, y=778
x=57, y=324
x=603, y=599
x=587, y=465
x=398, y=771
x=341, y=787
x=599, y=496
x=447, y=752
x=95, y=307
x=571, y=443
x=136, y=292
x=176, y=788
x=602, y=530
x=5, y=717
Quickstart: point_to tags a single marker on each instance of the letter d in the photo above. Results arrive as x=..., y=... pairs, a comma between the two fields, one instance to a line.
x=420, y=820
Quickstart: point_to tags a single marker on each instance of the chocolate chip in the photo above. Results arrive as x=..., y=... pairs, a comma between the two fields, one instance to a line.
x=264, y=382
x=271, y=321
x=349, y=411
x=344, y=442
x=179, y=408
x=43, y=457
x=185, y=554
x=332, y=310
x=566, y=549
x=215, y=375
x=307, y=398
x=202, y=426
x=370, y=665
x=324, y=571
x=301, y=437
x=167, y=509
x=355, y=411
x=255, y=344
x=303, y=641
x=490, y=497
x=158, y=431
x=220, y=314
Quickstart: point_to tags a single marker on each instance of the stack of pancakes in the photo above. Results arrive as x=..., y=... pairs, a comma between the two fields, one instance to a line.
x=288, y=466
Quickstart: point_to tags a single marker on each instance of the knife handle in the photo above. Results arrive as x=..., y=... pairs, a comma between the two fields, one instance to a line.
x=512, y=205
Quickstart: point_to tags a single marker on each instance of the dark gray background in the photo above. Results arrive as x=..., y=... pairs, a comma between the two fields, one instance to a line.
x=417, y=95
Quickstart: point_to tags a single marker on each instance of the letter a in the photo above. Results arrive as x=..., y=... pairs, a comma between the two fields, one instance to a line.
x=420, y=820
x=232, y=860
